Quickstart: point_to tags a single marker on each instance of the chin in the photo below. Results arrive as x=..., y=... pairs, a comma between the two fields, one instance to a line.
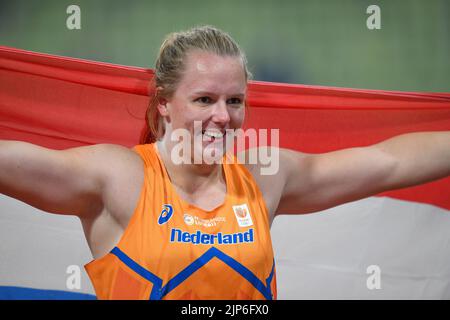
x=213, y=153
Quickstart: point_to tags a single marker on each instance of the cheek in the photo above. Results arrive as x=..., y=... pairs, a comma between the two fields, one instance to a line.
x=180, y=116
x=192, y=115
x=237, y=117
x=195, y=114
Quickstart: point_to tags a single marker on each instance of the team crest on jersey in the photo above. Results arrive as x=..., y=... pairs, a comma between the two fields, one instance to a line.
x=243, y=216
x=166, y=214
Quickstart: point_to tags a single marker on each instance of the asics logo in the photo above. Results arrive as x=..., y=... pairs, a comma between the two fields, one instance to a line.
x=166, y=214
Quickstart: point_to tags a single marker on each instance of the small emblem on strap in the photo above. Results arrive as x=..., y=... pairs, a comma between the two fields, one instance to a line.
x=243, y=215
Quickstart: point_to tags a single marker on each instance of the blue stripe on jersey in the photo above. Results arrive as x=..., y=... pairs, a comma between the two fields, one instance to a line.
x=158, y=292
x=157, y=282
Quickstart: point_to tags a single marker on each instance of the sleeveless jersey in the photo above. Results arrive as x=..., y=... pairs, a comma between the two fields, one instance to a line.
x=172, y=249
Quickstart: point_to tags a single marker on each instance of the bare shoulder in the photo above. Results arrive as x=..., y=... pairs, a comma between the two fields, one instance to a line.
x=102, y=156
x=270, y=168
x=122, y=173
x=268, y=163
x=112, y=157
x=121, y=164
x=107, y=150
x=122, y=184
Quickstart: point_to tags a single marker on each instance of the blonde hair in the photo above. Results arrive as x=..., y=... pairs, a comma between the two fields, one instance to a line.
x=170, y=65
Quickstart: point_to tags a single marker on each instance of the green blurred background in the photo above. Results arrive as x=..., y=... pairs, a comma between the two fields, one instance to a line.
x=319, y=42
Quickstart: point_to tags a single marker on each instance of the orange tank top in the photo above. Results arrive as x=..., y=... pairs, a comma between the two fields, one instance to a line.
x=174, y=250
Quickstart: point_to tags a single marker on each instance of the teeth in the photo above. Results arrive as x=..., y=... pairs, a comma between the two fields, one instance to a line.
x=213, y=134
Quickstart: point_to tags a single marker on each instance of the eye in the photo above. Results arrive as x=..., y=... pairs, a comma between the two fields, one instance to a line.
x=235, y=101
x=204, y=100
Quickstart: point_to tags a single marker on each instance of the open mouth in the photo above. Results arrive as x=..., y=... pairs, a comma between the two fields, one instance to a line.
x=212, y=135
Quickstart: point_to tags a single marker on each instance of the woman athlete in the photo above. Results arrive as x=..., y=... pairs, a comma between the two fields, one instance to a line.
x=158, y=229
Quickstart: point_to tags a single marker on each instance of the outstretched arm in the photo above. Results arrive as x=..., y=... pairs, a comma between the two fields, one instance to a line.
x=315, y=182
x=77, y=181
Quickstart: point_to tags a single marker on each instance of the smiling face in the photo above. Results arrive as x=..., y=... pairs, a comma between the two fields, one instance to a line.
x=212, y=90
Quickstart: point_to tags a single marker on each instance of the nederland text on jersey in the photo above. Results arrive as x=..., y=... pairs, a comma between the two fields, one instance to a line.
x=177, y=235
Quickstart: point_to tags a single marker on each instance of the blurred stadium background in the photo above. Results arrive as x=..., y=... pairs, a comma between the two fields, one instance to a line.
x=320, y=42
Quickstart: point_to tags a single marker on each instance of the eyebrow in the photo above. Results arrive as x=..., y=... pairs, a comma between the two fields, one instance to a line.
x=196, y=93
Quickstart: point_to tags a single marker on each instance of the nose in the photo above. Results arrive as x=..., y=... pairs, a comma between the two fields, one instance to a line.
x=220, y=113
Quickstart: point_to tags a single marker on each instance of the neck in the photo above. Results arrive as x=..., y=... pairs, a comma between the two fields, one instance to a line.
x=190, y=178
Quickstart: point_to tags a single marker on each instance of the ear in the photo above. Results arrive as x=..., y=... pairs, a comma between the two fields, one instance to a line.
x=162, y=107
x=162, y=104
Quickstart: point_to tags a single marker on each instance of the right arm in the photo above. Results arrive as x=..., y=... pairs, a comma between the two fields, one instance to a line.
x=70, y=181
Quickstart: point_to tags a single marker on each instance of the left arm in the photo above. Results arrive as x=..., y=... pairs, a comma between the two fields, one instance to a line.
x=315, y=182
x=420, y=157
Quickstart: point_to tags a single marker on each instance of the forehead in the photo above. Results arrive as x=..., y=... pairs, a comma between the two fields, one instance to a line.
x=209, y=72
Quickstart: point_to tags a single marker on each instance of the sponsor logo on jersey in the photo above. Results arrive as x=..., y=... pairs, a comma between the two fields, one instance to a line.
x=188, y=219
x=198, y=237
x=243, y=216
x=191, y=220
x=166, y=214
